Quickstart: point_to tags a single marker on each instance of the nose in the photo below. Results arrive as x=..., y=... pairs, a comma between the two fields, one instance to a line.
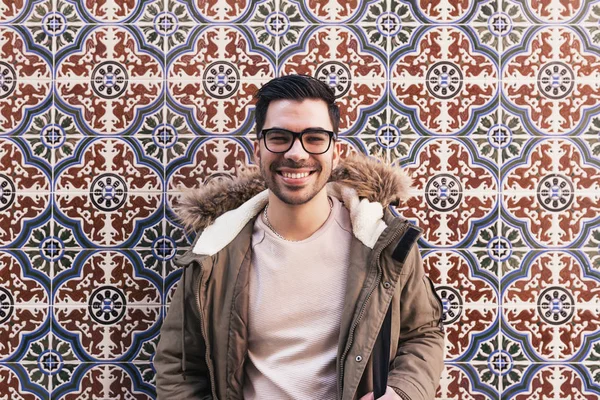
x=297, y=152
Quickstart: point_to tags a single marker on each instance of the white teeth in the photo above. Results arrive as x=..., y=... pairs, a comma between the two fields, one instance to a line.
x=295, y=176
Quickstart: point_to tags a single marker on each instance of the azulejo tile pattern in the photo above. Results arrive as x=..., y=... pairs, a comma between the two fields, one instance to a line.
x=108, y=109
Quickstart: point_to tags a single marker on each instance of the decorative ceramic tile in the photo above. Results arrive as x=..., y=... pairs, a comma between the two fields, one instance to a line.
x=551, y=305
x=499, y=28
x=110, y=381
x=16, y=384
x=330, y=12
x=24, y=192
x=455, y=192
x=551, y=80
x=98, y=186
x=25, y=80
x=444, y=82
x=505, y=135
x=390, y=28
x=13, y=12
x=500, y=362
x=24, y=305
x=339, y=56
x=110, y=80
x=462, y=381
x=164, y=28
x=445, y=12
x=551, y=193
x=469, y=298
x=562, y=381
x=552, y=12
x=214, y=77
x=107, y=12
x=276, y=28
x=385, y=135
x=219, y=11
x=107, y=306
x=208, y=158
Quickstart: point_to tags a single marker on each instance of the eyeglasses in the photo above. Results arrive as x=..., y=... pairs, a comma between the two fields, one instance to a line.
x=314, y=141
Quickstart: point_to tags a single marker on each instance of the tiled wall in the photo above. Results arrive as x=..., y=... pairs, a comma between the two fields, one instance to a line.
x=107, y=107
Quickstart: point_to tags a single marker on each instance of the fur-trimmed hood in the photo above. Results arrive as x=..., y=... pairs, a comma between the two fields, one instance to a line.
x=365, y=185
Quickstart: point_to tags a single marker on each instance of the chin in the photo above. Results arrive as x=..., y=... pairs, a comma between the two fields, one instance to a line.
x=293, y=197
x=294, y=200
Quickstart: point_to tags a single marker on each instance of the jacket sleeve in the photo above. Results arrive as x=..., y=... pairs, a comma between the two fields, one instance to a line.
x=415, y=372
x=170, y=381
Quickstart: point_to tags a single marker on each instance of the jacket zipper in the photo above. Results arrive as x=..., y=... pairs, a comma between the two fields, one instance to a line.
x=203, y=331
x=362, y=310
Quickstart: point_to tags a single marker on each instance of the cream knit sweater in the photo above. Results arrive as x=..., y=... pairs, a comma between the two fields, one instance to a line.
x=296, y=301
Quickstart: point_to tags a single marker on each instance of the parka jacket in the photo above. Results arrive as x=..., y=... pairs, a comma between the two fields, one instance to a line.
x=204, y=338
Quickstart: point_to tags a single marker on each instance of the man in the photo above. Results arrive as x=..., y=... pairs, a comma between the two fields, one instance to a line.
x=285, y=289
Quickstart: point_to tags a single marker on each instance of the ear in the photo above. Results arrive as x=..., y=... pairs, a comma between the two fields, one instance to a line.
x=256, y=151
x=337, y=148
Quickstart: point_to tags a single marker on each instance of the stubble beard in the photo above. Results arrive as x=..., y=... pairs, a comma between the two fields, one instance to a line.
x=270, y=177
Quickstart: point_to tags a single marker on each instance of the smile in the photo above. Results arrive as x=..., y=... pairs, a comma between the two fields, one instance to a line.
x=298, y=175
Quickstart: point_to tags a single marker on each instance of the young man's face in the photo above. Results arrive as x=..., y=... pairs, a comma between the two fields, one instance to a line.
x=296, y=116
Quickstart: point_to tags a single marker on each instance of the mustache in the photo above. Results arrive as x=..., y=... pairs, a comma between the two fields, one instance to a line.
x=291, y=164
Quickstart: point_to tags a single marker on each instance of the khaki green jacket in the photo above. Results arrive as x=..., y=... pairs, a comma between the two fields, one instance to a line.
x=204, y=340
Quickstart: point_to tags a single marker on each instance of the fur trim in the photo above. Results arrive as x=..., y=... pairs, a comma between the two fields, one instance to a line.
x=198, y=208
x=371, y=179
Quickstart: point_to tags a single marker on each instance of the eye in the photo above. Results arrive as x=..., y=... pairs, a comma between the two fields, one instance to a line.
x=316, y=137
x=278, y=137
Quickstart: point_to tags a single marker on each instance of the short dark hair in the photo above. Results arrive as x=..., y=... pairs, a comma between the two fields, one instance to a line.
x=295, y=87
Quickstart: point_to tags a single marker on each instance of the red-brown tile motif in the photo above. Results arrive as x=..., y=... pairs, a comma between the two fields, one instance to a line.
x=98, y=190
x=446, y=82
x=109, y=80
x=110, y=381
x=207, y=160
x=553, y=81
x=553, y=190
x=452, y=192
x=327, y=11
x=24, y=191
x=444, y=11
x=456, y=384
x=469, y=302
x=217, y=79
x=558, y=381
x=11, y=9
x=336, y=56
x=24, y=304
x=220, y=11
x=552, y=11
x=25, y=79
x=554, y=303
x=109, y=11
x=12, y=385
x=110, y=305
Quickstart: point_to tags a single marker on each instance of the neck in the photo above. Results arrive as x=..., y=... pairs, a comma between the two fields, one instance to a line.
x=298, y=222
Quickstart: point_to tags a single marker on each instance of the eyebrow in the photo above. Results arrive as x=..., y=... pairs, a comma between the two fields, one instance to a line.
x=318, y=128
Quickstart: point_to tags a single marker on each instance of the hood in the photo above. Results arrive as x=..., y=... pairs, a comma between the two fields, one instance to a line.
x=221, y=209
x=371, y=178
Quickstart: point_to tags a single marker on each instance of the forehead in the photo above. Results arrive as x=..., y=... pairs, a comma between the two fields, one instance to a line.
x=298, y=115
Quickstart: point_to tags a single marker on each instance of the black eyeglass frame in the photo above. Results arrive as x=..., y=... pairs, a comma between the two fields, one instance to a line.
x=297, y=135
